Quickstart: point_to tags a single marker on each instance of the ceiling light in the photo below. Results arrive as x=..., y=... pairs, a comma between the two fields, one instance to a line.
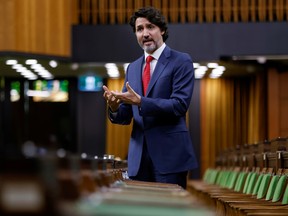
x=212, y=65
x=261, y=59
x=200, y=72
x=11, y=62
x=112, y=70
x=196, y=65
x=217, y=72
x=36, y=66
x=74, y=66
x=31, y=61
x=53, y=63
x=17, y=66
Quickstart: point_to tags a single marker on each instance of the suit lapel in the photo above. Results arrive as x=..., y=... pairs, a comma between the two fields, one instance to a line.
x=161, y=64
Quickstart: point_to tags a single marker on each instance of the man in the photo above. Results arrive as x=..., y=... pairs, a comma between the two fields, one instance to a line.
x=160, y=148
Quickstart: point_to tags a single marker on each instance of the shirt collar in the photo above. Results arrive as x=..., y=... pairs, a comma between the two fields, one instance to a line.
x=156, y=54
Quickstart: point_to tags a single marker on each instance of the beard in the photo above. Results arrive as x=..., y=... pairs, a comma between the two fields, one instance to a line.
x=149, y=48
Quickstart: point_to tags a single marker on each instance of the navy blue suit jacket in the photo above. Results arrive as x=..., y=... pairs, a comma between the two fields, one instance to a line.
x=161, y=117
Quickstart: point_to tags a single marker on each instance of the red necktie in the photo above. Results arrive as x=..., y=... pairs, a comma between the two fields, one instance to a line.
x=146, y=74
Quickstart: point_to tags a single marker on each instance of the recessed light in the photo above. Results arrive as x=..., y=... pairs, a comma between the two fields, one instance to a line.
x=31, y=61
x=11, y=62
x=53, y=63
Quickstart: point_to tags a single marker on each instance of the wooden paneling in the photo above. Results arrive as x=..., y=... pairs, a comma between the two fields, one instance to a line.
x=232, y=113
x=173, y=11
x=273, y=104
x=227, y=10
x=277, y=104
x=37, y=26
x=283, y=91
x=262, y=10
x=7, y=24
x=244, y=10
x=181, y=11
x=235, y=10
x=121, y=11
x=191, y=10
x=209, y=10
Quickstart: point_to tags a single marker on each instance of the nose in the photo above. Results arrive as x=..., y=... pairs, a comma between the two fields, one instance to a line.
x=146, y=33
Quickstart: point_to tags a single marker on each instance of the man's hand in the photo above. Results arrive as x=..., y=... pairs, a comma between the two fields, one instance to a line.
x=112, y=101
x=129, y=97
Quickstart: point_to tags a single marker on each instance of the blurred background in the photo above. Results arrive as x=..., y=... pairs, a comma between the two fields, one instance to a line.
x=55, y=55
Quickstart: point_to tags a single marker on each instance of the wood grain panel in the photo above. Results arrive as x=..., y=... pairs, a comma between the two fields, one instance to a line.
x=23, y=33
x=227, y=10
x=36, y=26
x=103, y=8
x=262, y=10
x=121, y=11
x=7, y=25
x=200, y=11
x=129, y=9
x=173, y=11
x=94, y=11
x=165, y=9
x=65, y=28
x=283, y=91
x=218, y=10
x=244, y=10
x=253, y=10
x=271, y=4
x=209, y=10
x=113, y=11
x=279, y=7
x=55, y=27
x=191, y=10
x=182, y=10
x=273, y=104
x=75, y=13
x=138, y=4
x=235, y=10
x=157, y=4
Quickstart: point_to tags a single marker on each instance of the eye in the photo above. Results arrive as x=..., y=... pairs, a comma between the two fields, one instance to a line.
x=150, y=26
x=139, y=29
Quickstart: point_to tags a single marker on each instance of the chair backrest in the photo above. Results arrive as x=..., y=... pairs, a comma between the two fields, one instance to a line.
x=272, y=186
x=279, y=190
x=285, y=196
x=242, y=177
x=207, y=174
x=263, y=187
x=247, y=181
x=248, y=189
x=221, y=178
x=257, y=184
x=211, y=176
x=232, y=179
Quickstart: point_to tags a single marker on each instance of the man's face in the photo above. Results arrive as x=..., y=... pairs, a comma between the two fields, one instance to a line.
x=149, y=36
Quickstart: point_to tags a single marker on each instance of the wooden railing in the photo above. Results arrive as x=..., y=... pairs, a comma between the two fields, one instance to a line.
x=185, y=11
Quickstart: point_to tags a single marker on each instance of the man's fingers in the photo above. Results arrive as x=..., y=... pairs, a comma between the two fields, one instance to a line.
x=129, y=88
x=105, y=88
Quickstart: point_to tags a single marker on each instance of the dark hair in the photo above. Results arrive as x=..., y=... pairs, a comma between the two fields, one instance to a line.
x=154, y=16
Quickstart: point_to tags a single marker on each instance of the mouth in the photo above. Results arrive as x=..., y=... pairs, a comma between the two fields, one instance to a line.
x=147, y=42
